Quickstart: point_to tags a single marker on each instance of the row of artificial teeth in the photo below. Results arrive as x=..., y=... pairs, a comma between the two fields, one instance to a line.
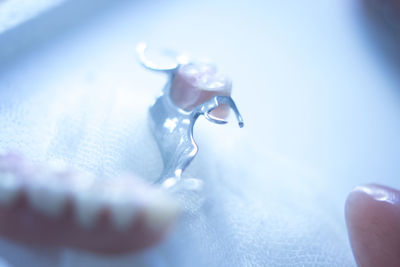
x=49, y=189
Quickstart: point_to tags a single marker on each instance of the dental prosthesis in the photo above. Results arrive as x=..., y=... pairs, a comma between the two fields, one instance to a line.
x=60, y=206
x=57, y=205
x=193, y=89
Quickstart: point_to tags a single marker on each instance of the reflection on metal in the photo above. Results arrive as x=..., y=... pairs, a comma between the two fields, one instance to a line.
x=173, y=127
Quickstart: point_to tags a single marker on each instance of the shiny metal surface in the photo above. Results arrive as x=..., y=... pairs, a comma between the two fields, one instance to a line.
x=173, y=127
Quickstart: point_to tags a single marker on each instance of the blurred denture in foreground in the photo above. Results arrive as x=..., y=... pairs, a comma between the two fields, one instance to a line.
x=59, y=206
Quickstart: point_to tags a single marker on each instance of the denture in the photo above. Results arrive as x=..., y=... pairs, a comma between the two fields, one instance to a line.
x=193, y=89
x=60, y=206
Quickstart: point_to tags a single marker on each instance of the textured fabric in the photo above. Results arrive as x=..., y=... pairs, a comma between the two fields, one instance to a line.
x=278, y=216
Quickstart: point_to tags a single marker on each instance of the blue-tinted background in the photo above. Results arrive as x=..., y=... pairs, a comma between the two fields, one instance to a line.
x=320, y=100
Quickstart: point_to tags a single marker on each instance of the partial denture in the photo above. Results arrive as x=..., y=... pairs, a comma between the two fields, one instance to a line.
x=60, y=206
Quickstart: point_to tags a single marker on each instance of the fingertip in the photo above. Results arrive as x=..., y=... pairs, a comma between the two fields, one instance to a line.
x=373, y=222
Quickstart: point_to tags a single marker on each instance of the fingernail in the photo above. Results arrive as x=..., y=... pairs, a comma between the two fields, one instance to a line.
x=373, y=222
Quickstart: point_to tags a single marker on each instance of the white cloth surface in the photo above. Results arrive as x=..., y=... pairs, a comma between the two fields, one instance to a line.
x=275, y=189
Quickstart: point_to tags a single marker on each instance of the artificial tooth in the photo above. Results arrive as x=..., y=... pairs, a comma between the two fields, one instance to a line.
x=48, y=192
x=118, y=197
x=160, y=211
x=195, y=83
x=88, y=197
